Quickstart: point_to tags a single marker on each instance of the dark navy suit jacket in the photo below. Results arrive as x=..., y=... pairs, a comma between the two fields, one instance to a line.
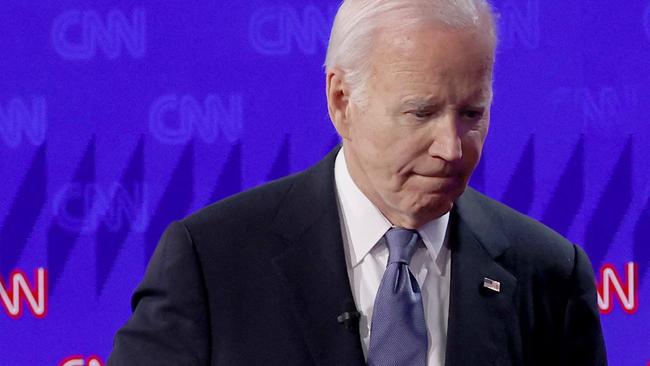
x=260, y=278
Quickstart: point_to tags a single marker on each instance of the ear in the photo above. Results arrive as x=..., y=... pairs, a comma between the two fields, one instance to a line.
x=338, y=101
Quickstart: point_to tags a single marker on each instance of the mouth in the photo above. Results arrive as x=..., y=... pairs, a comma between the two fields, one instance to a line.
x=435, y=183
x=434, y=174
x=445, y=171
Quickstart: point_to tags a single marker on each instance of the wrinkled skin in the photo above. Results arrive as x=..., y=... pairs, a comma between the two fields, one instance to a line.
x=413, y=146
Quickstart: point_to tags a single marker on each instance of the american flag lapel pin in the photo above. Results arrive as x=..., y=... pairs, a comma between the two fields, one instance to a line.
x=492, y=284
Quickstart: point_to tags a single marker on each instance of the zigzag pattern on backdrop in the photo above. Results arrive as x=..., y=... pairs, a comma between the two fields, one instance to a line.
x=520, y=191
x=230, y=178
x=175, y=201
x=569, y=193
x=566, y=202
x=109, y=242
x=59, y=240
x=110, y=110
x=25, y=209
x=610, y=212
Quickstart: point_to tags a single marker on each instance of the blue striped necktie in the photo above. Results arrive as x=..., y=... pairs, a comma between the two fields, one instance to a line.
x=398, y=335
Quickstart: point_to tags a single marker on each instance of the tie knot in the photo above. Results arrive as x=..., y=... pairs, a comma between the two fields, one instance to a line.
x=401, y=245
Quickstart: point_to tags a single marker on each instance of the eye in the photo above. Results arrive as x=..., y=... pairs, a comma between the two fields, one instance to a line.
x=421, y=114
x=472, y=114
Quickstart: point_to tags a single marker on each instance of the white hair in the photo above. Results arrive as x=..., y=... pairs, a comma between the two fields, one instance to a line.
x=357, y=22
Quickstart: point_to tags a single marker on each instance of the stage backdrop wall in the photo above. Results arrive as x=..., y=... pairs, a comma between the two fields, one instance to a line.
x=117, y=117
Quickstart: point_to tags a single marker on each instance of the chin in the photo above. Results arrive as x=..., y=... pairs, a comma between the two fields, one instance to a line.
x=429, y=207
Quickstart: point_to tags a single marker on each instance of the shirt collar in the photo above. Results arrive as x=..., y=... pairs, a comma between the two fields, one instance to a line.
x=365, y=225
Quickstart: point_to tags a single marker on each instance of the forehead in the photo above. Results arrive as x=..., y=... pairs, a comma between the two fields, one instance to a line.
x=432, y=58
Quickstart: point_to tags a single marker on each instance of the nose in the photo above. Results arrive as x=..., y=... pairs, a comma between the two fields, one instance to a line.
x=446, y=142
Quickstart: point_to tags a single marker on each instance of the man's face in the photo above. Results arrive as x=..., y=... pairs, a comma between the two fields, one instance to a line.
x=413, y=147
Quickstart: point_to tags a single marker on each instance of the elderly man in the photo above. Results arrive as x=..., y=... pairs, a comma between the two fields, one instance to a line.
x=379, y=253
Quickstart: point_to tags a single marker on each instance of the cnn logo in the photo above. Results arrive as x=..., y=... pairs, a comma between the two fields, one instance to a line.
x=80, y=361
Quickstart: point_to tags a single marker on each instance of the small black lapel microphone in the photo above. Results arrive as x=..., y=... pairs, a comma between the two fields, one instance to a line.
x=349, y=317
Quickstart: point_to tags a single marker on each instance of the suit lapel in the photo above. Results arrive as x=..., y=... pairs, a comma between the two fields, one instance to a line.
x=482, y=323
x=313, y=267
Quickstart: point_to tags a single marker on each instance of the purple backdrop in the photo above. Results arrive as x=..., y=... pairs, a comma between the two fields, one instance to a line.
x=117, y=117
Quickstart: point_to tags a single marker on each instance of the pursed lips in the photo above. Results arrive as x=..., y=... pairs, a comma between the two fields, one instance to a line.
x=436, y=174
x=436, y=171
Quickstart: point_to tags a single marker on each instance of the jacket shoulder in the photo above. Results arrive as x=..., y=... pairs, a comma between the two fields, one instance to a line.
x=244, y=212
x=532, y=246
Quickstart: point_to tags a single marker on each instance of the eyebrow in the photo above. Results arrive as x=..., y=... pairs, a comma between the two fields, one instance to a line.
x=478, y=97
x=420, y=103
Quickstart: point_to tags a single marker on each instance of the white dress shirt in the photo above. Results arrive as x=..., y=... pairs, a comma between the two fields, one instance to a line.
x=363, y=227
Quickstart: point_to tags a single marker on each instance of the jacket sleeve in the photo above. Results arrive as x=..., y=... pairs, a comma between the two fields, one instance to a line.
x=170, y=322
x=583, y=337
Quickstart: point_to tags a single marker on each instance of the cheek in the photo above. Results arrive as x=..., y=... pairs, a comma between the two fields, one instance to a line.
x=378, y=148
x=472, y=148
x=384, y=165
x=386, y=152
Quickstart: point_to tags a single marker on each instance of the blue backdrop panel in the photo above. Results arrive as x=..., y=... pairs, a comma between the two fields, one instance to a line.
x=117, y=117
